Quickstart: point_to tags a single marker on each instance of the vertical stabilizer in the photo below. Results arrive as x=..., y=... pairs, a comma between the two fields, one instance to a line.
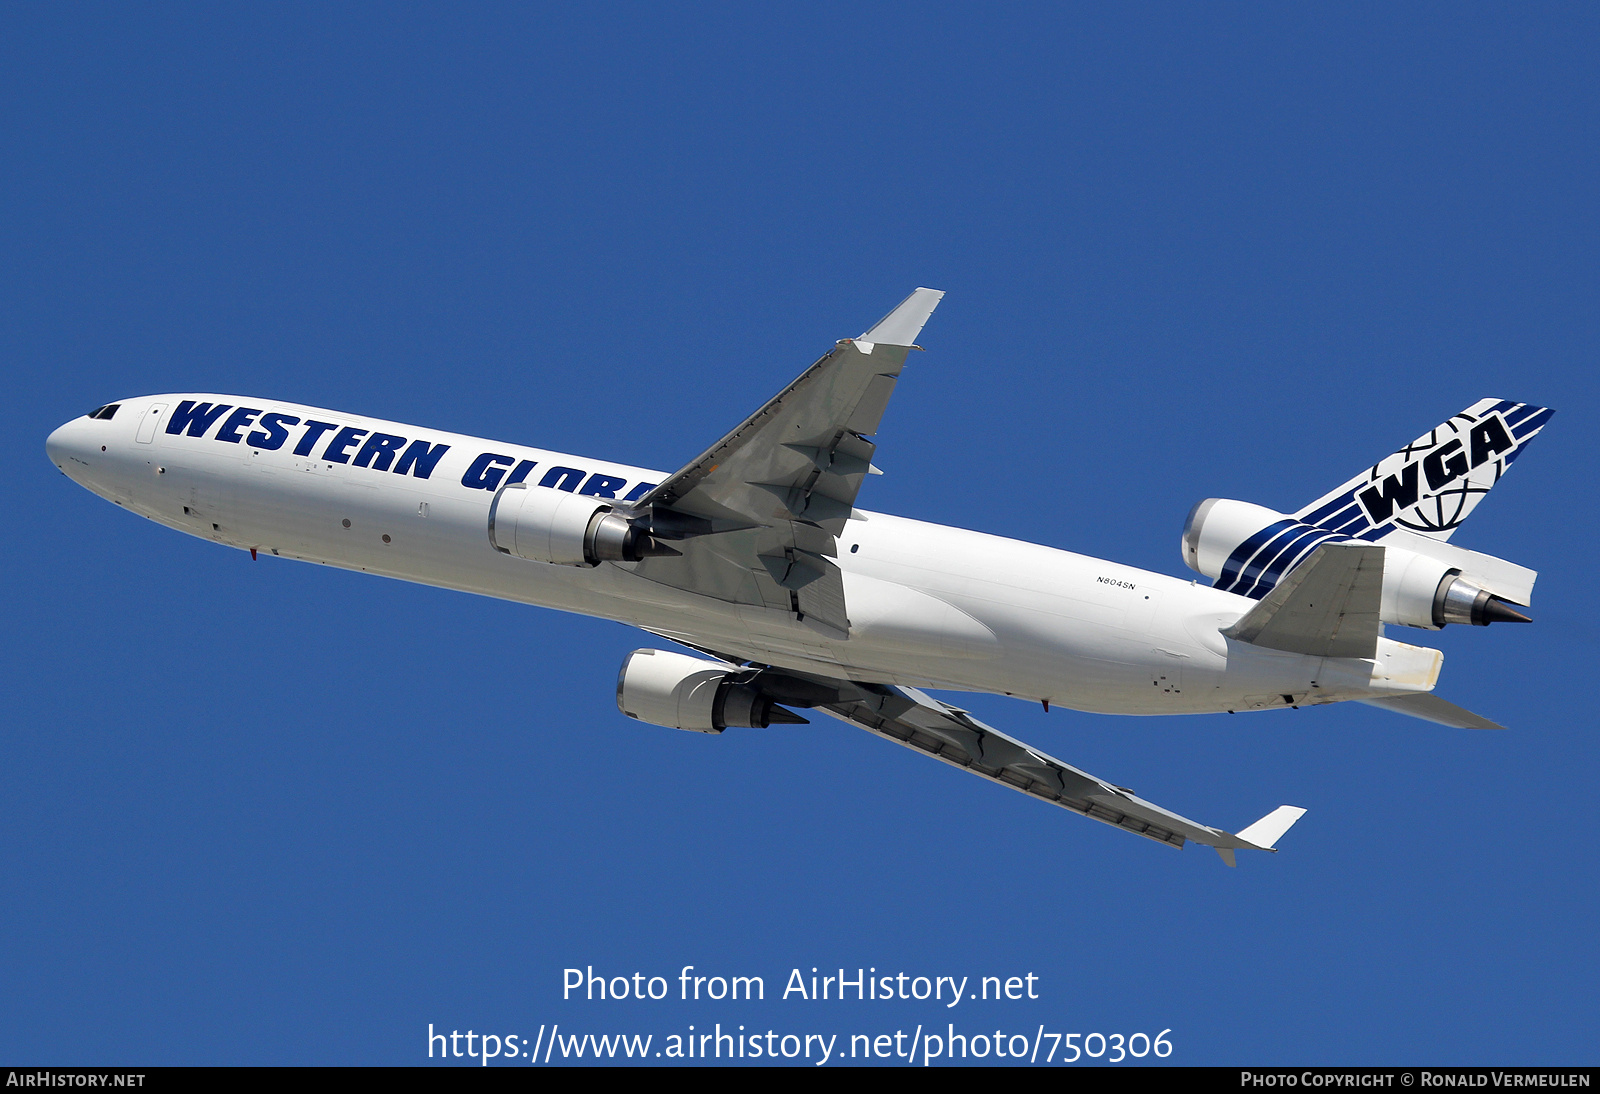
x=1432, y=484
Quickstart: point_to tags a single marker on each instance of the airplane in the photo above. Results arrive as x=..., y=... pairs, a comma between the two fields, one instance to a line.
x=755, y=557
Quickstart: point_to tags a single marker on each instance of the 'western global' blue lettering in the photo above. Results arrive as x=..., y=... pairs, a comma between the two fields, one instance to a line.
x=563, y=478
x=242, y=418
x=273, y=432
x=194, y=417
x=420, y=459
x=338, y=450
x=483, y=475
x=488, y=472
x=603, y=486
x=380, y=451
x=314, y=431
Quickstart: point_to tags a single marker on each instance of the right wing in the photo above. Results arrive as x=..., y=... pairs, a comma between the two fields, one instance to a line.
x=918, y=721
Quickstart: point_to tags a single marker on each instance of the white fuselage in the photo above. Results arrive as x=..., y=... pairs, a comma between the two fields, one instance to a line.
x=929, y=606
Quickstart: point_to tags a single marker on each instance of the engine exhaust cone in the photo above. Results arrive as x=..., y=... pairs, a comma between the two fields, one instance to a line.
x=1496, y=610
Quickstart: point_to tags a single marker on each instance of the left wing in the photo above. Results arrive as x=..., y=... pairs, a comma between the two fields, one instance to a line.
x=754, y=518
x=909, y=717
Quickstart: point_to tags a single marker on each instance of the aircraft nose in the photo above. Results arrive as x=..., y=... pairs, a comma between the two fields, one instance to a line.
x=65, y=443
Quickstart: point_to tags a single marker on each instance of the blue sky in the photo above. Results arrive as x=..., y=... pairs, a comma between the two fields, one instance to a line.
x=276, y=813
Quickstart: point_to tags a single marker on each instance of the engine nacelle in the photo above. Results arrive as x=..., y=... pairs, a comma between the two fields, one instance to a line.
x=1216, y=526
x=683, y=692
x=1248, y=549
x=544, y=525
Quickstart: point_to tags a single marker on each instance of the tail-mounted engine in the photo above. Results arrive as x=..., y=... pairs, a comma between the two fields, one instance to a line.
x=543, y=525
x=1248, y=549
x=683, y=692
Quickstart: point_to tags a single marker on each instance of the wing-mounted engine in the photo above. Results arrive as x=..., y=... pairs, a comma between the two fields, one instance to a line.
x=1248, y=549
x=546, y=525
x=683, y=692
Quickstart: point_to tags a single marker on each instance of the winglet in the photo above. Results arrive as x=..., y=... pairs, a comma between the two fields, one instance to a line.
x=901, y=326
x=1270, y=828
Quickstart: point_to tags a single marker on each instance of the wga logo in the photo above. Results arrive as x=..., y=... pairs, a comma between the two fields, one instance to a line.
x=1432, y=483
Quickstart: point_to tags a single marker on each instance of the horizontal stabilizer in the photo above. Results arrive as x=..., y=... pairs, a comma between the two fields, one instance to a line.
x=901, y=326
x=1329, y=607
x=1431, y=708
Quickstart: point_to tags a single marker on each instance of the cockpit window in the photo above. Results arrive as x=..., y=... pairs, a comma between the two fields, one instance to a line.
x=105, y=413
